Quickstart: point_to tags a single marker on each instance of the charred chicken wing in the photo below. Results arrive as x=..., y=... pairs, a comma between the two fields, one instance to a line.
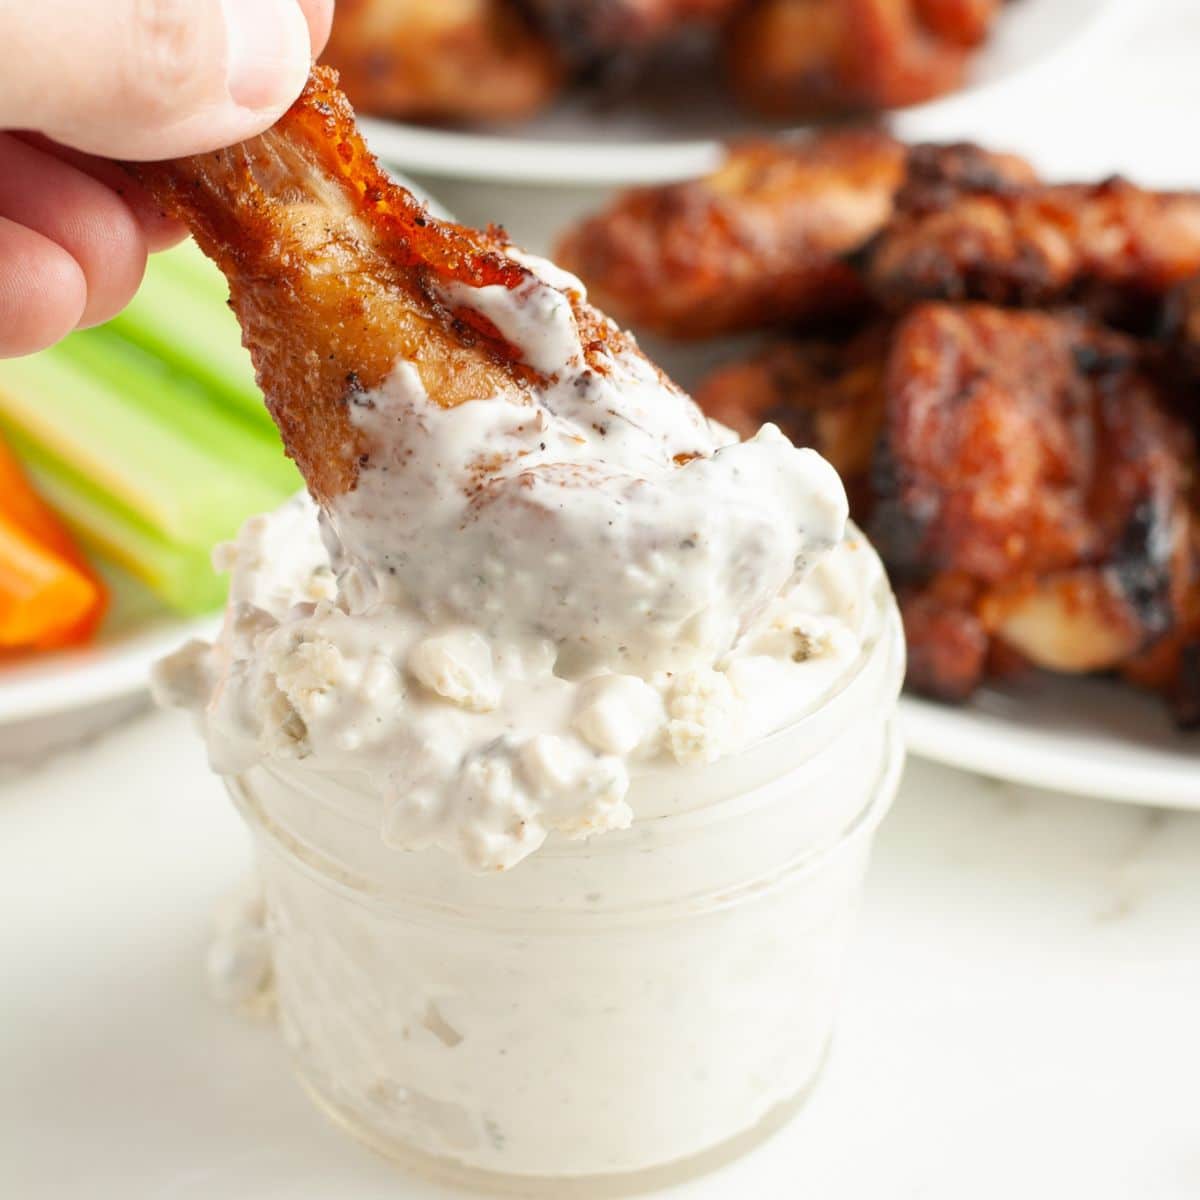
x=1115, y=247
x=758, y=242
x=1030, y=457
x=766, y=239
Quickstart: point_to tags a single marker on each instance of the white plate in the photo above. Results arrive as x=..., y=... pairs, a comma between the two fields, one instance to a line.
x=1090, y=737
x=674, y=135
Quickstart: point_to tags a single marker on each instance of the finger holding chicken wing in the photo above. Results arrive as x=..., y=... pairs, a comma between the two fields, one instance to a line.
x=463, y=60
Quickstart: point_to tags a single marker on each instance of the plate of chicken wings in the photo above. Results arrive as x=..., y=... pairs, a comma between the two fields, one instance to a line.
x=1006, y=372
x=640, y=91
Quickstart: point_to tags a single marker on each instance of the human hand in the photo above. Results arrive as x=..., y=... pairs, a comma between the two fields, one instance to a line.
x=85, y=83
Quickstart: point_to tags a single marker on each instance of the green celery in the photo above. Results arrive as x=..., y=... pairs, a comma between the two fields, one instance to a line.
x=181, y=576
x=176, y=317
x=178, y=402
x=176, y=488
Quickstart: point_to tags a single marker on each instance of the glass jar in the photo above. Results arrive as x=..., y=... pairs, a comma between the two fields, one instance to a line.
x=658, y=995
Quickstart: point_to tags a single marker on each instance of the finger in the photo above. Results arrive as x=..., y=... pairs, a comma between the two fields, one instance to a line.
x=42, y=291
x=80, y=214
x=145, y=79
x=158, y=229
x=319, y=15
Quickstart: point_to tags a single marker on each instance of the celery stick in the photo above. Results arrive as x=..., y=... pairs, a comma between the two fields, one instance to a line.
x=178, y=402
x=177, y=489
x=182, y=577
x=189, y=329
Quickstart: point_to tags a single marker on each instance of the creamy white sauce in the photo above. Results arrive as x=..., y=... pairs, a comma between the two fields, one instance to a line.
x=518, y=602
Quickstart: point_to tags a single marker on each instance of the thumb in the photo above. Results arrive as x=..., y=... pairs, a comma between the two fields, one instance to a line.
x=145, y=79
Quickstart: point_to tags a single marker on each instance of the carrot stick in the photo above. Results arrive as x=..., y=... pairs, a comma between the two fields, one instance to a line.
x=44, y=600
x=23, y=511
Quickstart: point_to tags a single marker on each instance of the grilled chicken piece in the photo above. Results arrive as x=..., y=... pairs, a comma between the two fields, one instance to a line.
x=1032, y=459
x=825, y=394
x=802, y=57
x=336, y=272
x=456, y=60
x=1112, y=246
x=758, y=242
x=763, y=240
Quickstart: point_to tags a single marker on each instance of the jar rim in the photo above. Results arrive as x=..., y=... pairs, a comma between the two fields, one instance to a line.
x=360, y=889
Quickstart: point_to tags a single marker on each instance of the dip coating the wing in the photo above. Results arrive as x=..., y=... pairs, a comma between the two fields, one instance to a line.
x=471, y=60
x=758, y=242
x=336, y=272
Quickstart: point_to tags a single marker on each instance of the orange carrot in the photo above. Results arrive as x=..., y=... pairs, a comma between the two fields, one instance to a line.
x=43, y=598
x=36, y=549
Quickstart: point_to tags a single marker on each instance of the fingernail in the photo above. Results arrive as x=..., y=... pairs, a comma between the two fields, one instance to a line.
x=266, y=63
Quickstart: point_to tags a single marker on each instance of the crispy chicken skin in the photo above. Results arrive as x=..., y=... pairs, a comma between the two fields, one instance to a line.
x=801, y=57
x=758, y=242
x=822, y=393
x=1029, y=457
x=334, y=274
x=1115, y=247
x=454, y=60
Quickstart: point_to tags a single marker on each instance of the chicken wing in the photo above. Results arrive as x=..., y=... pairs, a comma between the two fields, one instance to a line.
x=1112, y=246
x=765, y=239
x=758, y=242
x=336, y=272
x=804, y=57
x=471, y=60
x=1031, y=459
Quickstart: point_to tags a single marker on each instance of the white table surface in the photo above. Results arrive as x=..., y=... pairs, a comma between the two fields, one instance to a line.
x=1022, y=1016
